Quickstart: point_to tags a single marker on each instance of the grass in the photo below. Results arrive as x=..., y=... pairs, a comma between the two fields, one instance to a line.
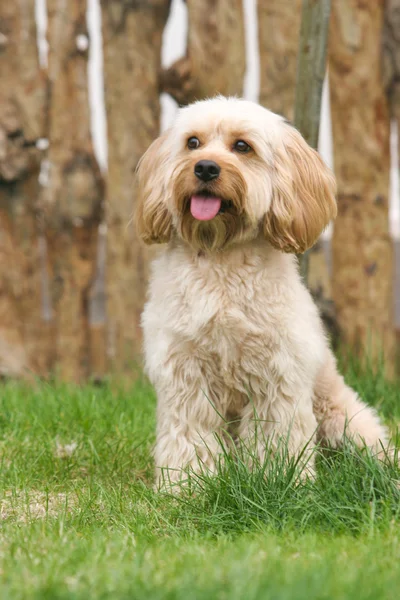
x=79, y=517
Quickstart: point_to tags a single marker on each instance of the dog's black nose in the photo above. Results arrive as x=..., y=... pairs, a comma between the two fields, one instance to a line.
x=207, y=170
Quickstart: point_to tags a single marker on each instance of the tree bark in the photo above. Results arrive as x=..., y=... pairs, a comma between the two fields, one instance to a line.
x=72, y=199
x=132, y=35
x=279, y=23
x=22, y=104
x=215, y=62
x=278, y=34
x=311, y=66
x=391, y=59
x=362, y=249
x=391, y=78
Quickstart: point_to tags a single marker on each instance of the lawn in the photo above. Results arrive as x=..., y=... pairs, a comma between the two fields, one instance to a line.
x=79, y=517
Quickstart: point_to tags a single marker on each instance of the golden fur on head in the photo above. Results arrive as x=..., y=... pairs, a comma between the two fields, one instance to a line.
x=279, y=189
x=153, y=219
x=303, y=200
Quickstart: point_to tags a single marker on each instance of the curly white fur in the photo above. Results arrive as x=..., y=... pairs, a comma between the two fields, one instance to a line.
x=230, y=331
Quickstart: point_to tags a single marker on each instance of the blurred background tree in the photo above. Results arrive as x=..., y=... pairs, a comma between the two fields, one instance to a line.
x=361, y=245
x=23, y=98
x=132, y=38
x=73, y=275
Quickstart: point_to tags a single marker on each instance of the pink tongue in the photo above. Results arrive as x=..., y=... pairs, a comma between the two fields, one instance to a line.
x=204, y=208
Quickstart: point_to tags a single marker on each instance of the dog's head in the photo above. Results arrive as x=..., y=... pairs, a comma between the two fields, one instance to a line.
x=229, y=171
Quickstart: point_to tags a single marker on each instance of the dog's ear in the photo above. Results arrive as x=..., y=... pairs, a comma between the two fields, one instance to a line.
x=153, y=219
x=303, y=195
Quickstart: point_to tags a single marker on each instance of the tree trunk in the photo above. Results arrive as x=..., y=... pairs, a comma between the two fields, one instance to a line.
x=216, y=60
x=391, y=77
x=278, y=34
x=22, y=103
x=72, y=199
x=391, y=60
x=279, y=24
x=311, y=66
x=391, y=54
x=132, y=35
x=362, y=249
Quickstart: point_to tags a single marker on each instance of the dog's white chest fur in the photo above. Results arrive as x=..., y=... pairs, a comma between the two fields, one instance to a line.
x=229, y=315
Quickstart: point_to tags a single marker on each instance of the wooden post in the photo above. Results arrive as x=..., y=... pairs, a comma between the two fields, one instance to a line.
x=215, y=62
x=22, y=124
x=311, y=66
x=278, y=35
x=362, y=248
x=72, y=199
x=391, y=80
x=391, y=60
x=132, y=36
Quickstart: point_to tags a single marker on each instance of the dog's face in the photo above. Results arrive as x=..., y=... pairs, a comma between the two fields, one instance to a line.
x=230, y=171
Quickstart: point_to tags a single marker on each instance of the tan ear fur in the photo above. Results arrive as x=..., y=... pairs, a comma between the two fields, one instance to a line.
x=303, y=199
x=153, y=220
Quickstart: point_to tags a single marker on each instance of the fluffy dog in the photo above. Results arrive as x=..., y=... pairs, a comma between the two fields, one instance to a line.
x=230, y=331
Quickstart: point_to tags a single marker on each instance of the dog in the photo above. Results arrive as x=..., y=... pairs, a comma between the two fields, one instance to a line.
x=231, y=333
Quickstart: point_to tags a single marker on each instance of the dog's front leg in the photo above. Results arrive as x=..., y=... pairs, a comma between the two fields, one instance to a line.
x=189, y=432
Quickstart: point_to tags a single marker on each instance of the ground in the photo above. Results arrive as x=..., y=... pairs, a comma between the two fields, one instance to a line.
x=79, y=517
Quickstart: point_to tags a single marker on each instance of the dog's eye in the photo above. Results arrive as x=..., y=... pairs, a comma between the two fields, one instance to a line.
x=193, y=143
x=241, y=146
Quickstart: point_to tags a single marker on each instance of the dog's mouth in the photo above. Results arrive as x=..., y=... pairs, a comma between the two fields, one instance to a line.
x=205, y=206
